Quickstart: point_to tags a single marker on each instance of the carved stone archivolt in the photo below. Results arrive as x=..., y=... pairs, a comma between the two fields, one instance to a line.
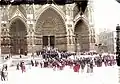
x=50, y=21
x=82, y=36
x=18, y=40
x=17, y=26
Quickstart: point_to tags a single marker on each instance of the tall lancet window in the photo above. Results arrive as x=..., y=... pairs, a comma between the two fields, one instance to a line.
x=4, y=14
x=30, y=14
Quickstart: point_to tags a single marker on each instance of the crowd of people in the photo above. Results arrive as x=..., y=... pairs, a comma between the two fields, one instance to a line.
x=53, y=53
x=52, y=58
x=59, y=60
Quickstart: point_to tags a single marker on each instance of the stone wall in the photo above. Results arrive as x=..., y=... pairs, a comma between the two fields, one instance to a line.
x=51, y=20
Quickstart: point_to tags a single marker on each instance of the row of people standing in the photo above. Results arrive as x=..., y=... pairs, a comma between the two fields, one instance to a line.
x=21, y=66
x=107, y=60
x=75, y=64
x=61, y=63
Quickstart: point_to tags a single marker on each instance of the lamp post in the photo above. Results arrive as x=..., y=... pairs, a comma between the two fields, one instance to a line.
x=118, y=44
x=117, y=39
x=0, y=27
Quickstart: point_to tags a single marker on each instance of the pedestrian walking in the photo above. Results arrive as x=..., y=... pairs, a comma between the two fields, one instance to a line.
x=18, y=66
x=6, y=67
x=3, y=74
x=88, y=68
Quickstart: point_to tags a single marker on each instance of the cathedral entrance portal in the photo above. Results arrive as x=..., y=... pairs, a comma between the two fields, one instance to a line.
x=49, y=41
x=18, y=37
x=51, y=30
x=81, y=37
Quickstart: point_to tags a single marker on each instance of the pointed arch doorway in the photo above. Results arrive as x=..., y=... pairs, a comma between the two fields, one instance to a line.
x=18, y=32
x=81, y=32
x=50, y=30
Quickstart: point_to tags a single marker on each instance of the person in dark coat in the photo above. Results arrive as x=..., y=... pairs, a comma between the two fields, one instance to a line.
x=91, y=67
x=21, y=64
x=23, y=67
x=20, y=56
x=88, y=68
x=45, y=64
x=25, y=53
x=6, y=67
x=82, y=67
x=2, y=75
x=17, y=66
x=36, y=63
x=32, y=63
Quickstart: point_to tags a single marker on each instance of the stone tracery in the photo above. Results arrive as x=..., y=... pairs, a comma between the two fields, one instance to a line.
x=82, y=36
x=48, y=20
x=51, y=23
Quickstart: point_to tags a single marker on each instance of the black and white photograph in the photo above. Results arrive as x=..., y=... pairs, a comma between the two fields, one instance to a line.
x=60, y=41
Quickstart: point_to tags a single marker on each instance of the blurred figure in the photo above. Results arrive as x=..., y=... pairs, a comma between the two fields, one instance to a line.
x=3, y=74
x=6, y=67
x=18, y=66
x=32, y=63
x=88, y=68
x=22, y=65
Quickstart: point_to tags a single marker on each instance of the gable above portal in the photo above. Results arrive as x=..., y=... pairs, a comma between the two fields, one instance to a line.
x=18, y=13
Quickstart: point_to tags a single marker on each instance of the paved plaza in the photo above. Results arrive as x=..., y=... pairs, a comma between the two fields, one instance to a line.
x=36, y=75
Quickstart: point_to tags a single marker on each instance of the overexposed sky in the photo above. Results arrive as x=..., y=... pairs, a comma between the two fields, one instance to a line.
x=106, y=14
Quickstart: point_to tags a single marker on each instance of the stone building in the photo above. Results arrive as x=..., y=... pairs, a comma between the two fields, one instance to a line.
x=107, y=39
x=31, y=27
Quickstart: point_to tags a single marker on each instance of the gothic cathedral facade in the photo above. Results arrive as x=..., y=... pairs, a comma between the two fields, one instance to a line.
x=32, y=27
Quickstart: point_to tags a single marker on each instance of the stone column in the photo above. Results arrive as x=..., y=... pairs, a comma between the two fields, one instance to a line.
x=71, y=40
x=30, y=22
x=69, y=26
x=0, y=28
x=49, y=41
x=91, y=23
x=92, y=40
x=29, y=47
x=30, y=39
